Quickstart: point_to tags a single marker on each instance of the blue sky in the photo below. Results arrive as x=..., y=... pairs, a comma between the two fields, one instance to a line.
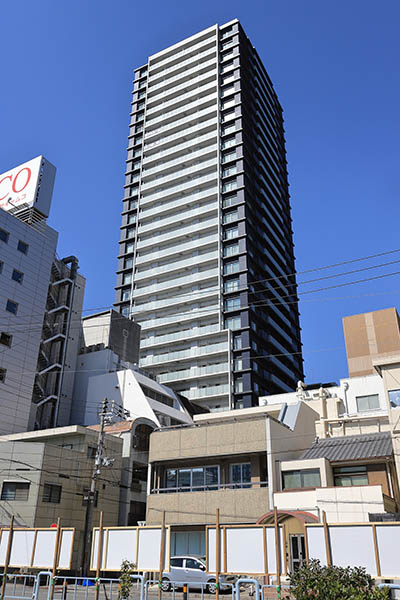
x=66, y=82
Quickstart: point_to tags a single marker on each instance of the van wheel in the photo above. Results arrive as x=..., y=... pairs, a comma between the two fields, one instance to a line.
x=165, y=584
x=212, y=587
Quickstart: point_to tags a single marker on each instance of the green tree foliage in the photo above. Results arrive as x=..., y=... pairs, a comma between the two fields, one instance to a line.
x=125, y=579
x=315, y=582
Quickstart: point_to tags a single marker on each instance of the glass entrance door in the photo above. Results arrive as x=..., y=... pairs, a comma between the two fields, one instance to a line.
x=297, y=550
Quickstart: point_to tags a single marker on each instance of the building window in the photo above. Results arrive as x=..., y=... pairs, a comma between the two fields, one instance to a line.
x=129, y=247
x=4, y=235
x=126, y=295
x=228, y=142
x=308, y=478
x=128, y=263
x=227, y=129
x=228, y=115
x=394, y=398
x=23, y=247
x=227, y=90
x=238, y=387
x=51, y=493
x=231, y=232
x=230, y=216
x=5, y=339
x=15, y=491
x=12, y=307
x=132, y=204
x=365, y=403
x=17, y=276
x=131, y=219
x=237, y=342
x=238, y=364
x=231, y=249
x=232, y=303
x=229, y=201
x=130, y=232
x=233, y=266
x=232, y=285
x=2, y=375
x=126, y=278
x=348, y=476
x=192, y=479
x=229, y=186
x=125, y=311
x=231, y=102
x=91, y=451
x=240, y=475
x=232, y=323
x=228, y=156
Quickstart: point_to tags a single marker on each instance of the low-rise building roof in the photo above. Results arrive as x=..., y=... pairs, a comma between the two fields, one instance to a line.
x=355, y=447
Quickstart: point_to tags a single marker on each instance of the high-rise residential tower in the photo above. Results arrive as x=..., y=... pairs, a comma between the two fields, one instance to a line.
x=206, y=262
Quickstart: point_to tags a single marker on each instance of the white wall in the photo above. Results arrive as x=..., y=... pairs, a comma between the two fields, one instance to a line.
x=341, y=504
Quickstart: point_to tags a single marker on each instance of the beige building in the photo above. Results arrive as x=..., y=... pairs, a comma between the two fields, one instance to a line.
x=225, y=460
x=369, y=337
x=46, y=474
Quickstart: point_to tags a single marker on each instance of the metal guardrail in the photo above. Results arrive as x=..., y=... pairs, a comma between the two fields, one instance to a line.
x=187, y=587
x=31, y=587
x=19, y=587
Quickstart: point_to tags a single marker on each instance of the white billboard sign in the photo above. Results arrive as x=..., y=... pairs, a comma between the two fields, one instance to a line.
x=36, y=547
x=139, y=545
x=29, y=185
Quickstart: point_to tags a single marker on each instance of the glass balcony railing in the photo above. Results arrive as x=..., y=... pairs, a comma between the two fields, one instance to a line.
x=195, y=82
x=195, y=142
x=210, y=390
x=168, y=164
x=175, y=249
x=179, y=335
x=176, y=301
x=193, y=373
x=177, y=233
x=195, y=104
x=179, y=124
x=189, y=131
x=192, y=353
x=181, y=318
x=176, y=175
x=182, y=187
x=183, y=63
x=176, y=265
x=184, y=201
x=186, y=279
x=184, y=99
x=163, y=83
x=210, y=41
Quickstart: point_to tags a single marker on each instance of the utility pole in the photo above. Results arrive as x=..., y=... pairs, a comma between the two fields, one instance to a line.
x=106, y=416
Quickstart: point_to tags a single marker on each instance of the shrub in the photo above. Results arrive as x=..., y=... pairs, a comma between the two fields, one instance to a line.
x=125, y=580
x=315, y=582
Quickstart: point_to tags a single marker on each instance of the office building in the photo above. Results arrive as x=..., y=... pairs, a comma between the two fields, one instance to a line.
x=40, y=305
x=206, y=262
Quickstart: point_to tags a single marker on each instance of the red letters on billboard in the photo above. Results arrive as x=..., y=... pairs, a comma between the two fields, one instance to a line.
x=14, y=183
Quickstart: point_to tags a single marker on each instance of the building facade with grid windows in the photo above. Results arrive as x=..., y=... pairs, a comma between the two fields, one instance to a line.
x=206, y=263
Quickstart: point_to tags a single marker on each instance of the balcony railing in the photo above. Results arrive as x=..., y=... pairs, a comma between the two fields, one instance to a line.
x=159, y=85
x=162, y=104
x=209, y=41
x=210, y=487
x=183, y=63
